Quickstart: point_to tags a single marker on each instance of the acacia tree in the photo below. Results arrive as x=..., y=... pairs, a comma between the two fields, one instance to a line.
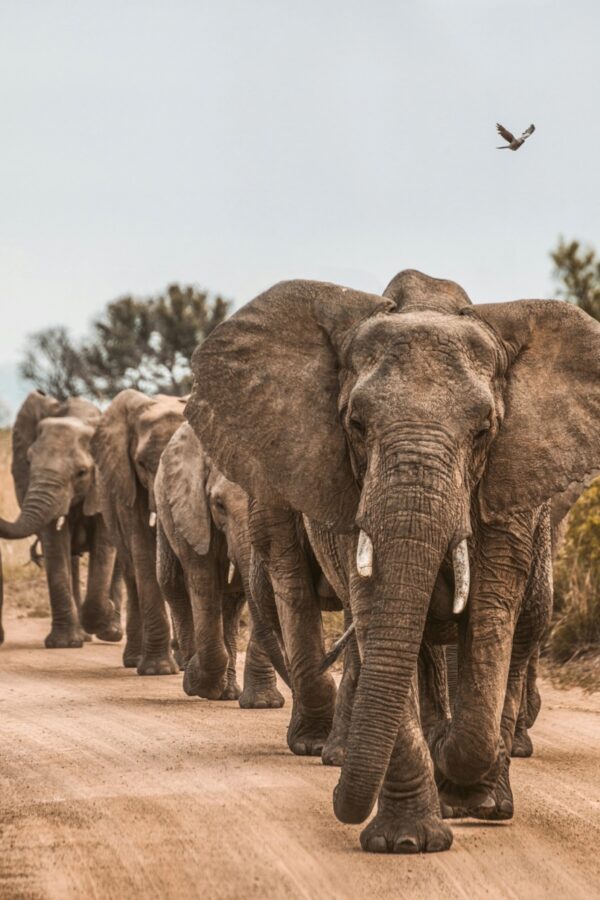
x=54, y=365
x=141, y=343
x=577, y=272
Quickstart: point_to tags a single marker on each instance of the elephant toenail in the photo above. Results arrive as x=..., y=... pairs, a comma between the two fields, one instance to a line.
x=378, y=844
x=406, y=844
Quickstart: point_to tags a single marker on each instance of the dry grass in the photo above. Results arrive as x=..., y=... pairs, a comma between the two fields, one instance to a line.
x=24, y=584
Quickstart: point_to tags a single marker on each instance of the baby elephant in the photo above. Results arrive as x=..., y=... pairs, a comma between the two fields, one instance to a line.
x=203, y=561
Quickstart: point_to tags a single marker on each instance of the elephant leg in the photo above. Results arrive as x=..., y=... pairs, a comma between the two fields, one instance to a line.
x=173, y=588
x=522, y=746
x=232, y=610
x=472, y=752
x=260, y=682
x=335, y=745
x=76, y=583
x=66, y=630
x=408, y=818
x=98, y=613
x=156, y=658
x=274, y=535
x=116, y=587
x=206, y=672
x=133, y=645
x=534, y=701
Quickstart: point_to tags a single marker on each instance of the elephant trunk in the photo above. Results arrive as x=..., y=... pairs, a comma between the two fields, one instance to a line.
x=47, y=498
x=411, y=527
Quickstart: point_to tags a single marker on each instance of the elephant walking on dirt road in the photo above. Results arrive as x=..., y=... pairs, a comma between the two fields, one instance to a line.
x=55, y=484
x=420, y=437
x=130, y=437
x=203, y=562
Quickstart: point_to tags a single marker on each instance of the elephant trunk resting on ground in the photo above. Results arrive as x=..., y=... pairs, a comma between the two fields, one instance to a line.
x=406, y=427
x=55, y=484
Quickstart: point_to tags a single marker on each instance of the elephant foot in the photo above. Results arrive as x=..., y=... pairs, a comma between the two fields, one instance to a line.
x=307, y=736
x=64, y=638
x=522, y=746
x=132, y=655
x=157, y=665
x=534, y=704
x=394, y=832
x=255, y=697
x=333, y=752
x=111, y=634
x=232, y=692
x=489, y=803
x=199, y=683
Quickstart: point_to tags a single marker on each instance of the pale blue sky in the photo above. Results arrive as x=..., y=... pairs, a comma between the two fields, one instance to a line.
x=238, y=142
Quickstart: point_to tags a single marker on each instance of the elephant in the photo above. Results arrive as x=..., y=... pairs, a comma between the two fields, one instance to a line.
x=203, y=561
x=55, y=484
x=422, y=439
x=127, y=445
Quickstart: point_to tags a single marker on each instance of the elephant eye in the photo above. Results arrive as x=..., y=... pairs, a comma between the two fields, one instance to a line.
x=81, y=472
x=219, y=505
x=483, y=429
x=357, y=426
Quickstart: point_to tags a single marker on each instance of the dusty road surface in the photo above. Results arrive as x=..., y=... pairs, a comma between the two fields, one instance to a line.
x=116, y=786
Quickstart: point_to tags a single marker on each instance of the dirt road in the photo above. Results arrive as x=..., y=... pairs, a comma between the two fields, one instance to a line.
x=116, y=786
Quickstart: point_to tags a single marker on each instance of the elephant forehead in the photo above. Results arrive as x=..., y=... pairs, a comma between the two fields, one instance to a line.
x=456, y=340
x=65, y=429
x=168, y=411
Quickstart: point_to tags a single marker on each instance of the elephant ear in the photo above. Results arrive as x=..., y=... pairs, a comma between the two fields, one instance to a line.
x=412, y=290
x=36, y=406
x=549, y=440
x=111, y=445
x=180, y=486
x=264, y=401
x=91, y=501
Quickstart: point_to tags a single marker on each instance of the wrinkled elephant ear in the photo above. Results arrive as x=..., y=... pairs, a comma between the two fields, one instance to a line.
x=549, y=440
x=264, y=402
x=410, y=290
x=91, y=501
x=111, y=445
x=180, y=486
x=36, y=406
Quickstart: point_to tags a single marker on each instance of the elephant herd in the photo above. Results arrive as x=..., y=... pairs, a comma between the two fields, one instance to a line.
x=404, y=458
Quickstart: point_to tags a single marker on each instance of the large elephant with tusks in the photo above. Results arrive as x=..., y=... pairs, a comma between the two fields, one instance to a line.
x=422, y=439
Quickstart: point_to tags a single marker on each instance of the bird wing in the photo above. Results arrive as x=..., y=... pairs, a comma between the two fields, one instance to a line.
x=528, y=132
x=505, y=133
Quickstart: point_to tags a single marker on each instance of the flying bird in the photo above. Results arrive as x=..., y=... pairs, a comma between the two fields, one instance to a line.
x=513, y=142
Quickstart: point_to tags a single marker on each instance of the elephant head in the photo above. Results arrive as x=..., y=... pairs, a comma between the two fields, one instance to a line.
x=394, y=417
x=129, y=441
x=52, y=465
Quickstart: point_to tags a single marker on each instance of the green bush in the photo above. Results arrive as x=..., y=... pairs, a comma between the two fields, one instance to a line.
x=576, y=628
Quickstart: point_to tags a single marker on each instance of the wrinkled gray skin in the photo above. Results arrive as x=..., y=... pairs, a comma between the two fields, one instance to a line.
x=423, y=421
x=202, y=529
x=54, y=476
x=129, y=439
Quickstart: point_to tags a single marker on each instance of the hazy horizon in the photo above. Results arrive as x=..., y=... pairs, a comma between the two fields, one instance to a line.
x=232, y=145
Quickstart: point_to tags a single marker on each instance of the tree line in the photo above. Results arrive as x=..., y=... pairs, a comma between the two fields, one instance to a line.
x=142, y=343
x=147, y=343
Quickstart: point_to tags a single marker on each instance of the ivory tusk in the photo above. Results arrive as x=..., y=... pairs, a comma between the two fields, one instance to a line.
x=230, y=573
x=152, y=519
x=337, y=648
x=462, y=578
x=60, y=522
x=364, y=555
